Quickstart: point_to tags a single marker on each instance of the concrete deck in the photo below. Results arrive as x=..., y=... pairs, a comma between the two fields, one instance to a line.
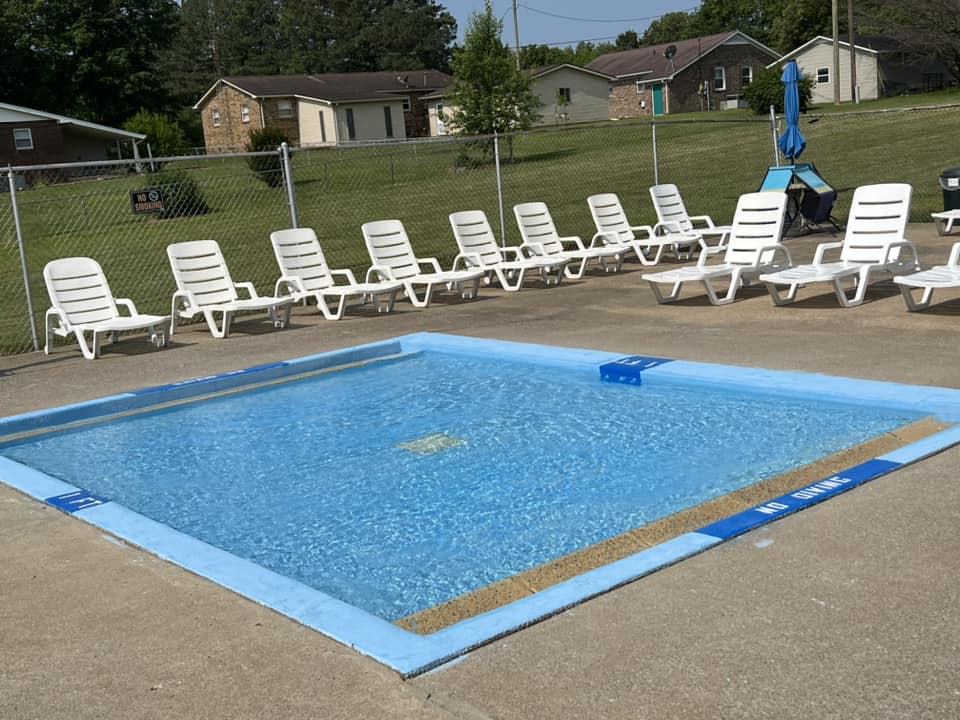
x=848, y=610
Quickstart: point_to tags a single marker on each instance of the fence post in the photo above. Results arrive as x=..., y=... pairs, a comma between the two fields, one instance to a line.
x=496, y=161
x=23, y=255
x=288, y=181
x=656, y=159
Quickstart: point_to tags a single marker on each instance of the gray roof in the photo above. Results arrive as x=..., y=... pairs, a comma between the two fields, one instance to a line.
x=651, y=62
x=337, y=87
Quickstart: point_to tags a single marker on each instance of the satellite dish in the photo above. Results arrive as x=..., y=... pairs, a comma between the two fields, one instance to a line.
x=670, y=52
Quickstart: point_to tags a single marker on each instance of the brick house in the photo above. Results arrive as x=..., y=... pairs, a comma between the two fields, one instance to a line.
x=34, y=137
x=317, y=110
x=699, y=74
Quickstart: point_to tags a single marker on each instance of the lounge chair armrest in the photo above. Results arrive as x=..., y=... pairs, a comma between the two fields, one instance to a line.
x=667, y=228
x=289, y=284
x=430, y=262
x=379, y=273
x=822, y=249
x=603, y=237
x=778, y=249
x=954, y=254
x=536, y=249
x=573, y=240
x=248, y=286
x=706, y=219
x=706, y=251
x=128, y=304
x=346, y=273
x=467, y=260
x=57, y=313
x=189, y=301
x=650, y=232
x=904, y=243
x=511, y=252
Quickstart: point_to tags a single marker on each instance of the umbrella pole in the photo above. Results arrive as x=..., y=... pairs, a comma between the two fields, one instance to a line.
x=773, y=129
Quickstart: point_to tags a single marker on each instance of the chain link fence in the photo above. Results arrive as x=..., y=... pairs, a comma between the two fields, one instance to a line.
x=90, y=209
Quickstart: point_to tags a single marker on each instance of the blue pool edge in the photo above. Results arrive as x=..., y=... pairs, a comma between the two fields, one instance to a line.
x=411, y=654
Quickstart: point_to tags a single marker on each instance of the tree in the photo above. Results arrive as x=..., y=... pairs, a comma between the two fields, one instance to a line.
x=669, y=28
x=165, y=137
x=489, y=94
x=627, y=40
x=753, y=17
x=767, y=89
x=534, y=56
x=105, y=51
x=800, y=21
x=921, y=27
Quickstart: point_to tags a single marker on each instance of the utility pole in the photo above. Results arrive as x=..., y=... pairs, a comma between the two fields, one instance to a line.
x=836, y=52
x=851, y=36
x=516, y=34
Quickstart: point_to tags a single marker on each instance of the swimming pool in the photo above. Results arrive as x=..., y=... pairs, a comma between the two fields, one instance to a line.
x=419, y=449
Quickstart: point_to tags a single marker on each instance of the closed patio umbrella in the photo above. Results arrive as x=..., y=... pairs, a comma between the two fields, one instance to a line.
x=792, y=141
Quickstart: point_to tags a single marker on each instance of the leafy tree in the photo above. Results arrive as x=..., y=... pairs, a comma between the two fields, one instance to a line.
x=800, y=21
x=489, y=94
x=922, y=27
x=627, y=40
x=534, y=56
x=767, y=89
x=105, y=51
x=165, y=137
x=754, y=17
x=669, y=28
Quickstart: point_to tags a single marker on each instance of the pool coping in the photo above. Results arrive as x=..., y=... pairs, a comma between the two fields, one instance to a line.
x=411, y=654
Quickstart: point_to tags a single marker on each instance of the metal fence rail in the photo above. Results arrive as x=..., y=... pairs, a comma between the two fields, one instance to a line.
x=238, y=199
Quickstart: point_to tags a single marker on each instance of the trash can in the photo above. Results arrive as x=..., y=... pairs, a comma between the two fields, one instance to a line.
x=950, y=182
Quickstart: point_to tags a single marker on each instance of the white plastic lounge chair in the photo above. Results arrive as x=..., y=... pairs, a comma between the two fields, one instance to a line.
x=673, y=218
x=479, y=249
x=753, y=248
x=945, y=220
x=941, y=276
x=204, y=286
x=611, y=221
x=872, y=244
x=393, y=258
x=82, y=303
x=540, y=236
x=306, y=274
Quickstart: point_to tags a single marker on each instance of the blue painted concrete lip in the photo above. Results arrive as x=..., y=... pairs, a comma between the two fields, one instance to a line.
x=411, y=654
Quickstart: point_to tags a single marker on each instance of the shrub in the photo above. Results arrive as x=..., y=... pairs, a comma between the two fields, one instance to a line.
x=181, y=194
x=767, y=89
x=165, y=137
x=267, y=167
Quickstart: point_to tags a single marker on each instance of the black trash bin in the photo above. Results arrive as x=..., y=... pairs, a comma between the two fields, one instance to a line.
x=950, y=182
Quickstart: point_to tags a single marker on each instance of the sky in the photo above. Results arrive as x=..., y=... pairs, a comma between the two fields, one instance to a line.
x=540, y=22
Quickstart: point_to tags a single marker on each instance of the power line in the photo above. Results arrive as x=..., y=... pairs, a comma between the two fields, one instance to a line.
x=601, y=20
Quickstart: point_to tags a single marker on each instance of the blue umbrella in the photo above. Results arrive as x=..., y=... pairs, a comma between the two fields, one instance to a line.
x=792, y=141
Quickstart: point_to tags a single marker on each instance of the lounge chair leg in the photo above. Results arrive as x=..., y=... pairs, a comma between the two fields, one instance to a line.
x=578, y=273
x=85, y=349
x=779, y=299
x=664, y=299
x=912, y=305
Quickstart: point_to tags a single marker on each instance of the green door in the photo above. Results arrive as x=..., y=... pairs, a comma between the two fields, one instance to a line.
x=658, y=99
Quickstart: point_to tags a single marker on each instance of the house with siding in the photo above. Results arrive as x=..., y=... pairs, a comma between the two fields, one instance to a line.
x=568, y=94
x=698, y=74
x=35, y=137
x=883, y=68
x=318, y=110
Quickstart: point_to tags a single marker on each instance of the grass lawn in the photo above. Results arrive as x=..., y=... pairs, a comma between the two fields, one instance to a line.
x=712, y=160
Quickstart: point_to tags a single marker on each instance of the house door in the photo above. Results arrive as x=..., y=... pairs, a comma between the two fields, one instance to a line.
x=657, y=99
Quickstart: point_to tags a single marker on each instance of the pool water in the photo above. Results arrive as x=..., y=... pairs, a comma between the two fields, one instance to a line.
x=401, y=484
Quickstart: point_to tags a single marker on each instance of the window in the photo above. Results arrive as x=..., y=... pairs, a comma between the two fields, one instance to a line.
x=719, y=78
x=388, y=121
x=823, y=76
x=285, y=109
x=323, y=128
x=351, y=129
x=563, y=95
x=406, y=103
x=639, y=88
x=245, y=113
x=23, y=138
x=215, y=115
x=441, y=124
x=746, y=76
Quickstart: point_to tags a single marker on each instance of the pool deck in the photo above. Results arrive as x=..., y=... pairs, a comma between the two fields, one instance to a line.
x=850, y=609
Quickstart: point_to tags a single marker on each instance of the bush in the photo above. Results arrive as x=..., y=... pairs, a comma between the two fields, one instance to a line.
x=267, y=167
x=164, y=136
x=181, y=194
x=767, y=89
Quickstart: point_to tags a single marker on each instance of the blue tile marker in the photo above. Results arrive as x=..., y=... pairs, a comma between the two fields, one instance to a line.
x=75, y=501
x=628, y=369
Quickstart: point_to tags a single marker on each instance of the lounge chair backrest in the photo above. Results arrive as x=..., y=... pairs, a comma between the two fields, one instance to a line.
x=536, y=226
x=878, y=215
x=199, y=268
x=78, y=288
x=669, y=206
x=389, y=246
x=609, y=217
x=299, y=254
x=474, y=236
x=757, y=222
